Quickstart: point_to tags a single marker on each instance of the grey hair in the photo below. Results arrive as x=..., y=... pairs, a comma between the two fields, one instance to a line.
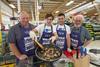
x=83, y=19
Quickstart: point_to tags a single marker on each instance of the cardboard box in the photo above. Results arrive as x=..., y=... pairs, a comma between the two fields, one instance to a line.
x=82, y=62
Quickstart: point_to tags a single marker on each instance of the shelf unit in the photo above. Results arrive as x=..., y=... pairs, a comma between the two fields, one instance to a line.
x=96, y=29
x=7, y=59
x=90, y=29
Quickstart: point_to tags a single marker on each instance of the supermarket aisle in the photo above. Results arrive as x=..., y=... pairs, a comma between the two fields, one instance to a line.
x=94, y=44
x=92, y=66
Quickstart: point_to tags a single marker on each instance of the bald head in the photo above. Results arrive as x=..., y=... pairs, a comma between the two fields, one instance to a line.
x=78, y=19
x=23, y=13
x=24, y=18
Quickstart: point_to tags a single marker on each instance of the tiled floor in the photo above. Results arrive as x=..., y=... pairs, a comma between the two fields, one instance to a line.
x=94, y=44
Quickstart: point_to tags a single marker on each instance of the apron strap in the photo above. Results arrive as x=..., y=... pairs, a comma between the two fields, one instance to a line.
x=42, y=33
x=64, y=27
x=80, y=30
x=43, y=30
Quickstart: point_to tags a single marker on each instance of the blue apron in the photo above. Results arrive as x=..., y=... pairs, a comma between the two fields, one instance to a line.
x=46, y=35
x=76, y=39
x=25, y=44
x=61, y=41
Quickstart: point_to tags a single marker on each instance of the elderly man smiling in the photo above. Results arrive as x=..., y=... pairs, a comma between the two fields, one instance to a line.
x=80, y=36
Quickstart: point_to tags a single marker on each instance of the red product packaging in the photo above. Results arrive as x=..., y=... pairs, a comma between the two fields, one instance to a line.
x=69, y=54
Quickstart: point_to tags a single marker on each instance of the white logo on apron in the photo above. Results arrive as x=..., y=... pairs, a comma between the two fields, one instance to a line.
x=74, y=42
x=28, y=44
x=46, y=41
x=60, y=42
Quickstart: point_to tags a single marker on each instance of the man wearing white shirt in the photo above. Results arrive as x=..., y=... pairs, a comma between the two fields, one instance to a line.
x=63, y=32
x=47, y=32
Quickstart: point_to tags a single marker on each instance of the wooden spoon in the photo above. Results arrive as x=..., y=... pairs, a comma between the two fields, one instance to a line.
x=40, y=45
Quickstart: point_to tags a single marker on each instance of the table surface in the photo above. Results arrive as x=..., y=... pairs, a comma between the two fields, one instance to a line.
x=94, y=45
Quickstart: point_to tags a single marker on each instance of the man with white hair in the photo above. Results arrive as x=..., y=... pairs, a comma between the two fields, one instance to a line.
x=80, y=36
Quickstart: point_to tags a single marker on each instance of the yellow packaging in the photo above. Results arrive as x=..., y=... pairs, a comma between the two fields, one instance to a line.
x=8, y=65
x=0, y=38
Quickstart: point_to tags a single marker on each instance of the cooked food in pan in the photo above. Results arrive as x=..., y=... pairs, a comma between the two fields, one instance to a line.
x=49, y=53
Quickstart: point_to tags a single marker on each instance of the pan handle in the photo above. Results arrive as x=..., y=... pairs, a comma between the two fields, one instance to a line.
x=40, y=45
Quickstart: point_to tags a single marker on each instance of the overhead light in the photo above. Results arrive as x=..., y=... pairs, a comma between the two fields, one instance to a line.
x=57, y=12
x=98, y=1
x=12, y=6
x=92, y=5
x=84, y=12
x=96, y=14
x=69, y=3
x=81, y=8
x=39, y=7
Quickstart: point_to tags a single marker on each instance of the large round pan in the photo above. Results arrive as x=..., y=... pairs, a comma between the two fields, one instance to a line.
x=40, y=53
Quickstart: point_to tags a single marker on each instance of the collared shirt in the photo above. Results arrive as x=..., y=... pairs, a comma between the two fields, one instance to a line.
x=15, y=33
x=85, y=35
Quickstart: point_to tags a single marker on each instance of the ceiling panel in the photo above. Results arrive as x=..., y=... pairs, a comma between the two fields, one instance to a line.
x=48, y=5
